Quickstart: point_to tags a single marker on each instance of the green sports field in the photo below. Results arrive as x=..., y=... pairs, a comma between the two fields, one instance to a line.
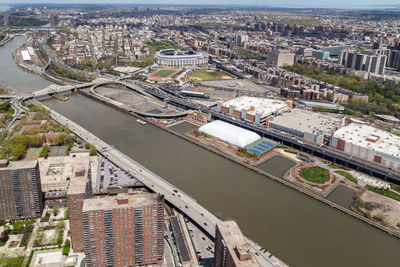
x=33, y=153
x=57, y=151
x=163, y=73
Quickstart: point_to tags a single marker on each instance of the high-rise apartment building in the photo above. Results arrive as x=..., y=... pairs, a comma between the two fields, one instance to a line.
x=280, y=58
x=373, y=62
x=241, y=38
x=231, y=247
x=20, y=192
x=54, y=20
x=80, y=188
x=124, y=230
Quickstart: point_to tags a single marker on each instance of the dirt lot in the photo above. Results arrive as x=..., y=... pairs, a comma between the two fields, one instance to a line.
x=378, y=204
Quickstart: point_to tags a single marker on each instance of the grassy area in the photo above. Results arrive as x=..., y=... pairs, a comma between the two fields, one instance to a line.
x=382, y=99
x=315, y=174
x=85, y=65
x=143, y=63
x=300, y=21
x=337, y=166
x=208, y=75
x=246, y=153
x=384, y=192
x=395, y=187
x=160, y=45
x=3, y=91
x=11, y=262
x=249, y=53
x=46, y=217
x=19, y=140
x=73, y=75
x=347, y=175
x=163, y=73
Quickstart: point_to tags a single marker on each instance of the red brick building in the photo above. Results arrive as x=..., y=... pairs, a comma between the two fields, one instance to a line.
x=124, y=230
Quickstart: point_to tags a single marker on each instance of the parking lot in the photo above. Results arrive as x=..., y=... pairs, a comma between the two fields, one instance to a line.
x=110, y=176
x=204, y=246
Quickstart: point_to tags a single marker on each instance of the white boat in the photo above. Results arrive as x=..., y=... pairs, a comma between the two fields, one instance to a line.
x=141, y=121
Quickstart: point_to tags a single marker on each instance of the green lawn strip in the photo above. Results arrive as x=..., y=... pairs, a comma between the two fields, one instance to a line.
x=11, y=262
x=315, y=174
x=395, y=187
x=336, y=166
x=347, y=175
x=384, y=192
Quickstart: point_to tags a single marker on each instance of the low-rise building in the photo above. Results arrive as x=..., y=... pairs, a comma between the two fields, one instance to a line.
x=368, y=143
x=309, y=125
x=253, y=109
x=56, y=172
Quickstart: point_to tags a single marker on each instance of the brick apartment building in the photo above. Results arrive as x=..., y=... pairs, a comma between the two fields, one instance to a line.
x=20, y=191
x=124, y=230
x=231, y=247
x=79, y=189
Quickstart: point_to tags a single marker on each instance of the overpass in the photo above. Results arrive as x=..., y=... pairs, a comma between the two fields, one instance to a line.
x=175, y=197
x=55, y=89
x=334, y=155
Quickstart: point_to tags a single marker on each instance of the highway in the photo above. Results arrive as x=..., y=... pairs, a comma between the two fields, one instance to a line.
x=205, y=219
x=334, y=155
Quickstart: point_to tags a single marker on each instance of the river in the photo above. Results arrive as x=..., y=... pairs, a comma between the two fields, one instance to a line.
x=294, y=227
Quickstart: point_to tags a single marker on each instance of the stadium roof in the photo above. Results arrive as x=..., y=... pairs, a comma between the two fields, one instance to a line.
x=230, y=133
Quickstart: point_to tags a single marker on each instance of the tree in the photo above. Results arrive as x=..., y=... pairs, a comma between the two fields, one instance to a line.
x=55, y=210
x=93, y=151
x=66, y=247
x=18, y=151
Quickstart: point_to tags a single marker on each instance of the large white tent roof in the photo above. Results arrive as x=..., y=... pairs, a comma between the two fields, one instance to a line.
x=230, y=133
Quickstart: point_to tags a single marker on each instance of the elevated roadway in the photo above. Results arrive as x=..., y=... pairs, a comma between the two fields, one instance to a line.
x=322, y=151
x=186, y=204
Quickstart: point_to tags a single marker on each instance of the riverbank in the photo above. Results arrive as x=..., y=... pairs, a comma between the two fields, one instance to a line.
x=295, y=227
x=6, y=39
x=251, y=167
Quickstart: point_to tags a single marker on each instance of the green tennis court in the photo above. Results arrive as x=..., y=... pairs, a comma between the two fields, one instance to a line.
x=57, y=151
x=32, y=153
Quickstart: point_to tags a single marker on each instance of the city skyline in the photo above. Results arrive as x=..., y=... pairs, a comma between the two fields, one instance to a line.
x=340, y=4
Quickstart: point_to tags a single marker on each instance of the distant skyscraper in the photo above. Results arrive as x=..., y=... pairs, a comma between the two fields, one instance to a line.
x=20, y=191
x=124, y=230
x=231, y=247
x=54, y=20
x=241, y=38
x=6, y=19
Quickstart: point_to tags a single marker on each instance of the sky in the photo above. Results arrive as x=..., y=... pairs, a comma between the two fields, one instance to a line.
x=270, y=3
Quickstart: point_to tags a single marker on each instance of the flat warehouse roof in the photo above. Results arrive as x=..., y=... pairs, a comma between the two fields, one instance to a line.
x=378, y=140
x=263, y=106
x=307, y=121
